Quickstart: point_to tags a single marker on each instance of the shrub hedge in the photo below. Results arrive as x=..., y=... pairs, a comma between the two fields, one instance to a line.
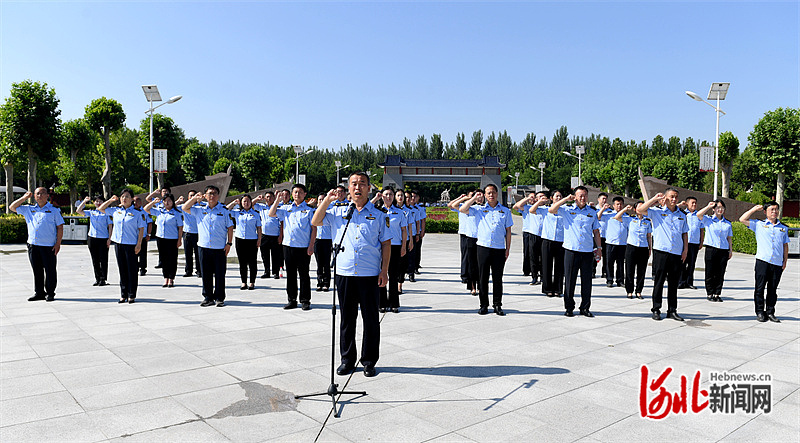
x=13, y=229
x=441, y=226
x=744, y=240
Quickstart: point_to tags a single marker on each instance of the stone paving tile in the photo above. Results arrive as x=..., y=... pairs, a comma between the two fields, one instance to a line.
x=139, y=417
x=22, y=368
x=117, y=393
x=28, y=386
x=96, y=375
x=71, y=428
x=399, y=426
x=262, y=427
x=37, y=407
x=195, y=431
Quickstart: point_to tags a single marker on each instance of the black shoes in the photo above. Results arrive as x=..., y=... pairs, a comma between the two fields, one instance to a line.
x=674, y=315
x=690, y=287
x=306, y=306
x=187, y=274
x=96, y=283
x=345, y=369
x=276, y=276
x=761, y=317
x=251, y=288
x=773, y=319
x=131, y=301
x=639, y=296
x=123, y=300
x=656, y=315
x=50, y=297
x=382, y=310
x=220, y=304
x=290, y=305
x=411, y=277
x=369, y=371
x=569, y=313
x=609, y=285
x=143, y=272
x=103, y=283
x=586, y=313
x=243, y=287
x=396, y=310
x=484, y=310
x=265, y=275
x=499, y=311
x=37, y=297
x=207, y=303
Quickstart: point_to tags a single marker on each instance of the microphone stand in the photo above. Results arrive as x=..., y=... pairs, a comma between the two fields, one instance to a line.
x=333, y=389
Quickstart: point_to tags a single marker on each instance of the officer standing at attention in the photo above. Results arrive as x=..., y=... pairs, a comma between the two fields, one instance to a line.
x=605, y=214
x=531, y=235
x=322, y=254
x=772, y=255
x=142, y=254
x=99, y=239
x=215, y=238
x=45, y=229
x=581, y=240
x=128, y=232
x=271, y=240
x=299, y=236
x=494, y=244
x=670, y=246
x=552, y=251
x=696, y=240
x=616, y=240
x=468, y=233
x=638, y=248
x=362, y=267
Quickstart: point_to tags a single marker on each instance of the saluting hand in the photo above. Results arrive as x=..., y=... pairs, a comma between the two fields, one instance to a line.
x=628, y=207
x=180, y=200
x=606, y=206
x=87, y=199
x=712, y=204
x=570, y=197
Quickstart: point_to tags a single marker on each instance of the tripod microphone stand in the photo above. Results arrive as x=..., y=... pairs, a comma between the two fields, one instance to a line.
x=333, y=389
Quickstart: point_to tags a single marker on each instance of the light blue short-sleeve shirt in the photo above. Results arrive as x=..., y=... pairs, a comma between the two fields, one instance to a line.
x=397, y=221
x=368, y=229
x=247, y=223
x=553, y=227
x=668, y=228
x=605, y=216
x=536, y=219
x=492, y=223
x=695, y=225
x=269, y=225
x=617, y=231
x=296, y=224
x=42, y=223
x=189, y=222
x=167, y=222
x=127, y=222
x=638, y=228
x=579, y=226
x=466, y=224
x=212, y=225
x=717, y=232
x=770, y=239
x=98, y=223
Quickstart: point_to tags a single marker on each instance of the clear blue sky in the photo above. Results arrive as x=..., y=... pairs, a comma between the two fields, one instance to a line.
x=332, y=73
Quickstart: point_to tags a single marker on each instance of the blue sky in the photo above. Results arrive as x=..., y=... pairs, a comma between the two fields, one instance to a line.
x=333, y=73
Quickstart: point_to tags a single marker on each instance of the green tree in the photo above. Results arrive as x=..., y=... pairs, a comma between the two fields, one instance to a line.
x=461, y=145
x=221, y=165
x=476, y=145
x=166, y=135
x=667, y=169
x=105, y=115
x=625, y=175
x=77, y=158
x=689, y=175
x=776, y=144
x=728, y=151
x=127, y=168
x=254, y=165
x=195, y=162
x=437, y=147
x=29, y=124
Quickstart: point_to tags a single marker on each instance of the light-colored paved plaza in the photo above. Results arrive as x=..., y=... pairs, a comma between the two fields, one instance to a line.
x=84, y=368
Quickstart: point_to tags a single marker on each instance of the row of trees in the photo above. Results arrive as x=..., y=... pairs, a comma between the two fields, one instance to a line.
x=99, y=150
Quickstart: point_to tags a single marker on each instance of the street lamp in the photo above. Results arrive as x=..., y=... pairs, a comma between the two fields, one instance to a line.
x=298, y=151
x=580, y=150
x=339, y=167
x=717, y=92
x=152, y=95
x=541, y=173
x=516, y=186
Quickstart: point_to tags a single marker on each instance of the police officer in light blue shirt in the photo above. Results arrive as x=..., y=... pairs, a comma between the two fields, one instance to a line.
x=616, y=239
x=605, y=213
x=494, y=245
x=772, y=256
x=127, y=235
x=552, y=251
x=45, y=229
x=271, y=236
x=719, y=247
x=322, y=254
x=531, y=236
x=190, y=251
x=581, y=248
x=637, y=250
x=99, y=239
x=248, y=238
x=398, y=230
x=695, y=240
x=361, y=267
x=215, y=238
x=299, y=237
x=169, y=234
x=468, y=234
x=670, y=246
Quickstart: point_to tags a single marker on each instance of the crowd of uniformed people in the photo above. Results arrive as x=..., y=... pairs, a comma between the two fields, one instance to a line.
x=379, y=244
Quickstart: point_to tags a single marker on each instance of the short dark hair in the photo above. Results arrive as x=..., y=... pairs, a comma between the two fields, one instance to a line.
x=342, y=187
x=720, y=202
x=490, y=185
x=169, y=196
x=97, y=197
x=211, y=188
x=387, y=188
x=300, y=186
x=358, y=173
x=598, y=195
x=129, y=191
x=168, y=189
x=691, y=197
x=583, y=188
x=478, y=190
x=770, y=204
x=618, y=199
x=671, y=189
x=190, y=191
x=270, y=193
x=636, y=205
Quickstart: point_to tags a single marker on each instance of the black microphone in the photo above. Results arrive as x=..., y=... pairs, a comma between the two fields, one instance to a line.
x=350, y=211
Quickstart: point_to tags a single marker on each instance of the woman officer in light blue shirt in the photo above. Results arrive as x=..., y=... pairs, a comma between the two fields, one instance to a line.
x=639, y=244
x=248, y=238
x=99, y=239
x=398, y=229
x=169, y=232
x=127, y=234
x=553, y=252
x=719, y=247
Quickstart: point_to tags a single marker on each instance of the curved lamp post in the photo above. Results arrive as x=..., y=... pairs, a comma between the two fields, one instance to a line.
x=717, y=92
x=152, y=95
